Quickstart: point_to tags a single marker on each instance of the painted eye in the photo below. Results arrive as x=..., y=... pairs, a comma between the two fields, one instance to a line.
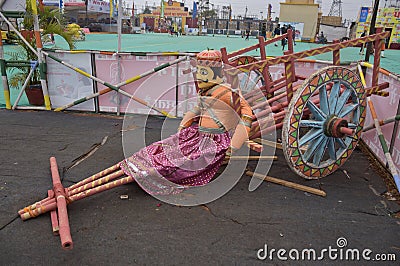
x=203, y=72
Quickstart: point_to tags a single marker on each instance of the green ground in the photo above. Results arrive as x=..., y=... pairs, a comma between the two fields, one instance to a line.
x=165, y=43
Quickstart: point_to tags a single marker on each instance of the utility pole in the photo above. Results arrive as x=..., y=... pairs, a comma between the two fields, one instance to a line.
x=229, y=20
x=372, y=29
x=269, y=18
x=336, y=9
x=245, y=18
x=86, y=17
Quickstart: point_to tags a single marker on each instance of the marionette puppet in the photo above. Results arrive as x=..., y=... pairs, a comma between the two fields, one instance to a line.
x=217, y=127
x=214, y=129
x=184, y=163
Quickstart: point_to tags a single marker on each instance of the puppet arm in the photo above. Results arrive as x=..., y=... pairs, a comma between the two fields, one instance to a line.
x=243, y=128
x=189, y=118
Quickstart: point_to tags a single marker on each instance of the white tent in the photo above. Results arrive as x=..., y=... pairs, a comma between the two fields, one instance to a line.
x=12, y=5
x=334, y=32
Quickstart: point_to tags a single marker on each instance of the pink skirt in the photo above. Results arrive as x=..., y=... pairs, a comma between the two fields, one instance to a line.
x=187, y=158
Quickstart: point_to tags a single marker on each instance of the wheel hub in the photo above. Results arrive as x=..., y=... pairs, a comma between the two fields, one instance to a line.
x=337, y=127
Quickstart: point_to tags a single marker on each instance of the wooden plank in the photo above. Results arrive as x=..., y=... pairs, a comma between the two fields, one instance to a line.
x=252, y=158
x=288, y=184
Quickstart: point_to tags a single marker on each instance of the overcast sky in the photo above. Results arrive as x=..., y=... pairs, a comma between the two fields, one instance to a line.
x=350, y=8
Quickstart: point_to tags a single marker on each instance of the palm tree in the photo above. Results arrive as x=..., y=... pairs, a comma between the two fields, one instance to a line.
x=51, y=21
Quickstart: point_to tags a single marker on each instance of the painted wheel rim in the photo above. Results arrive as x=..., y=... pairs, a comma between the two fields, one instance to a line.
x=248, y=79
x=251, y=81
x=313, y=145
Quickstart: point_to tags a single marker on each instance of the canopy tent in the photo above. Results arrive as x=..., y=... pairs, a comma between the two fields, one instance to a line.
x=12, y=5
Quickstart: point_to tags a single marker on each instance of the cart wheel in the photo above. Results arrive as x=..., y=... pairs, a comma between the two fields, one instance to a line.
x=250, y=82
x=324, y=122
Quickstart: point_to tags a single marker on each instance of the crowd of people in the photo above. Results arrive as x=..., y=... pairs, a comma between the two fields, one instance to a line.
x=283, y=30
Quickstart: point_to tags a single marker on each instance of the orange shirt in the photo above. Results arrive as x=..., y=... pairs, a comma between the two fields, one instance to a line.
x=215, y=111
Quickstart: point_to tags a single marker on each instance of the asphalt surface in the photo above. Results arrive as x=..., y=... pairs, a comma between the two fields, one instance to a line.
x=108, y=230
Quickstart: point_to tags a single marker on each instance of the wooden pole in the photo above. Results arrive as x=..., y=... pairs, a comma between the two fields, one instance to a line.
x=388, y=156
x=288, y=184
x=33, y=68
x=389, y=160
x=251, y=158
x=372, y=28
x=39, y=47
x=53, y=216
x=61, y=201
x=116, y=87
x=4, y=74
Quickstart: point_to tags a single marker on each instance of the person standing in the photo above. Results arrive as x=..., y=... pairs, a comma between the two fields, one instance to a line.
x=277, y=32
x=293, y=33
x=284, y=40
x=362, y=45
x=321, y=38
x=383, y=47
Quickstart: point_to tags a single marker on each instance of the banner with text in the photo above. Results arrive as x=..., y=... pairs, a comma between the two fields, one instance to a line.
x=98, y=6
x=66, y=85
x=74, y=2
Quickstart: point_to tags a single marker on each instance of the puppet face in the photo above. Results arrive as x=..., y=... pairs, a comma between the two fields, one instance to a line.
x=206, y=77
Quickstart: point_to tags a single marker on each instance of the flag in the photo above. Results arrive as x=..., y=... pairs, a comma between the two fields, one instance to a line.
x=113, y=8
x=133, y=9
x=230, y=13
x=194, y=10
x=162, y=9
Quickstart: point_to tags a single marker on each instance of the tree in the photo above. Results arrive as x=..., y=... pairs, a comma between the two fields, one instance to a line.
x=209, y=13
x=146, y=10
x=51, y=21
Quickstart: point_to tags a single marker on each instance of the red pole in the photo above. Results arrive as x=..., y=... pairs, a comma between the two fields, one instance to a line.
x=110, y=185
x=336, y=55
x=53, y=216
x=290, y=76
x=65, y=234
x=267, y=130
x=33, y=211
x=48, y=206
x=270, y=101
x=290, y=40
x=34, y=205
x=95, y=176
x=51, y=204
x=377, y=60
x=263, y=123
x=103, y=180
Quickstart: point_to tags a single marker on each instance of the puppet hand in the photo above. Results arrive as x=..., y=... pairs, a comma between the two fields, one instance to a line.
x=181, y=127
x=230, y=151
x=228, y=154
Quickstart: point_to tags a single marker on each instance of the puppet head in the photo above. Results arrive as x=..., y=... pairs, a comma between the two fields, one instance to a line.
x=209, y=69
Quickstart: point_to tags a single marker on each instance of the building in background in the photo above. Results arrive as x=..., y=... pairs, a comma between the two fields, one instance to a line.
x=303, y=15
x=388, y=19
x=204, y=17
x=332, y=24
x=169, y=15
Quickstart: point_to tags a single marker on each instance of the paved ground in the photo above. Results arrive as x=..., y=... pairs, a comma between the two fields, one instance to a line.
x=142, y=230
